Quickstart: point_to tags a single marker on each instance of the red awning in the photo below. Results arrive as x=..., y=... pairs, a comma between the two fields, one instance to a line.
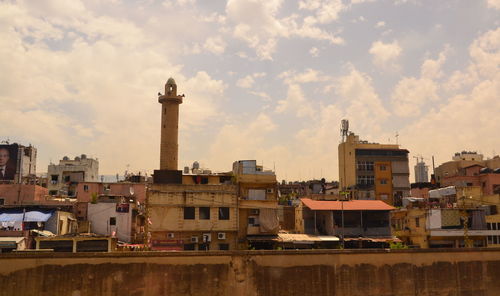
x=351, y=205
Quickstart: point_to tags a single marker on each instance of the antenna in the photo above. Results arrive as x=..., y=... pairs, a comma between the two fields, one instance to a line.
x=344, y=129
x=397, y=137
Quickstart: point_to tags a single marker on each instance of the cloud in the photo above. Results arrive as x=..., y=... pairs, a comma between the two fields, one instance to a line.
x=467, y=115
x=245, y=82
x=215, y=45
x=380, y=24
x=385, y=55
x=257, y=24
x=97, y=92
x=326, y=10
x=248, y=81
x=240, y=140
x=362, y=104
x=314, y=51
x=411, y=94
x=494, y=4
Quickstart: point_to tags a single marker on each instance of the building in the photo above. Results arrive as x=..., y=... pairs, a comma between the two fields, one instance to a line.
x=76, y=243
x=21, y=194
x=421, y=172
x=17, y=163
x=258, y=205
x=64, y=177
x=359, y=223
x=449, y=217
x=442, y=227
x=462, y=160
x=373, y=171
x=474, y=175
x=20, y=225
x=117, y=216
x=193, y=211
x=193, y=216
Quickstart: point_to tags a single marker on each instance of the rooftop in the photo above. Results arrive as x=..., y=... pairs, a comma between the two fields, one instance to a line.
x=351, y=205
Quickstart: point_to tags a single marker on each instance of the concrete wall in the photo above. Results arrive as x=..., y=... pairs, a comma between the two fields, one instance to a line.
x=367, y=273
x=14, y=194
x=99, y=216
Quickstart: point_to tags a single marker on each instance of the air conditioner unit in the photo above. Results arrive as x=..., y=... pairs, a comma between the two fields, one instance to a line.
x=207, y=237
x=170, y=235
x=194, y=239
x=221, y=235
x=270, y=190
x=254, y=211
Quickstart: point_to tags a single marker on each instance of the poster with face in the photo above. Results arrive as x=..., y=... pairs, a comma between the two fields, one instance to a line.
x=8, y=161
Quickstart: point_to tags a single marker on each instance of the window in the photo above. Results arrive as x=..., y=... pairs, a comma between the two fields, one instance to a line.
x=495, y=240
x=53, y=192
x=494, y=226
x=67, y=178
x=188, y=213
x=2, y=201
x=382, y=167
x=488, y=226
x=54, y=179
x=253, y=221
x=224, y=247
x=204, y=213
x=203, y=247
x=365, y=180
x=417, y=222
x=383, y=181
x=224, y=213
x=189, y=247
x=112, y=221
x=86, y=188
x=365, y=166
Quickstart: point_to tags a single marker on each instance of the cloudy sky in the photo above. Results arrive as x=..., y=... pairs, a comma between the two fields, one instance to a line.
x=264, y=79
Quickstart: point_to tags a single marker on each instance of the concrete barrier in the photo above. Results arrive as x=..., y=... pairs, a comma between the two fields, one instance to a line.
x=311, y=272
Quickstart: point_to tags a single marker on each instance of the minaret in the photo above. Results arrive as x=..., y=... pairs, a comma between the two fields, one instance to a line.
x=169, y=147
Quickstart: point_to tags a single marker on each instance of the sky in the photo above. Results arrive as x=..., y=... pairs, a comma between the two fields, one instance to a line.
x=269, y=80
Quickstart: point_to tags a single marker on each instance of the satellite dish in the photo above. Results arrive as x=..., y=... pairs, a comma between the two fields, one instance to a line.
x=131, y=190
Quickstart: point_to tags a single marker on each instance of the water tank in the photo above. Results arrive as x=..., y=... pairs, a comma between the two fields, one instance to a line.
x=196, y=165
x=84, y=156
x=77, y=158
x=186, y=170
x=65, y=158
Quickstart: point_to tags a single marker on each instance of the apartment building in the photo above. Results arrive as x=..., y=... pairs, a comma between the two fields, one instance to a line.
x=373, y=171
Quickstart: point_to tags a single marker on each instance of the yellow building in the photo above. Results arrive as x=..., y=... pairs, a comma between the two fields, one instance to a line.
x=409, y=225
x=258, y=204
x=373, y=171
x=193, y=216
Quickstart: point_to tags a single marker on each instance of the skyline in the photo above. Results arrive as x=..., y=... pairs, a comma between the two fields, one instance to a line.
x=82, y=78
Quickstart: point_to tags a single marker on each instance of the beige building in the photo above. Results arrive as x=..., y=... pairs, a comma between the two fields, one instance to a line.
x=193, y=216
x=64, y=177
x=258, y=204
x=205, y=211
x=463, y=160
x=373, y=171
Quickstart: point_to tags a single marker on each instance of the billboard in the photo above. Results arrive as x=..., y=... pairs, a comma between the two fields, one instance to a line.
x=8, y=161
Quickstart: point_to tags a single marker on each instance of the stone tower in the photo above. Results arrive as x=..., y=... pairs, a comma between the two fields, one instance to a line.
x=169, y=147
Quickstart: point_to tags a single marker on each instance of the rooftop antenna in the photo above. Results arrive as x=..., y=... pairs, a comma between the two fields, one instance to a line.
x=397, y=137
x=344, y=129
